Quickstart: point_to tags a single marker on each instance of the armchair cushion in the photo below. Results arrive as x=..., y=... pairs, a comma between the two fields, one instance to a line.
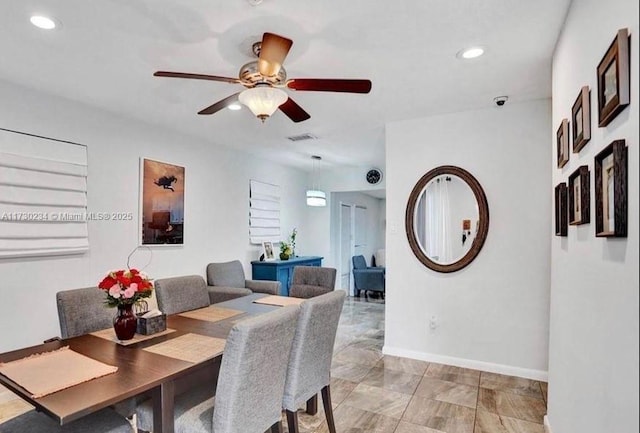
x=263, y=286
x=226, y=281
x=369, y=279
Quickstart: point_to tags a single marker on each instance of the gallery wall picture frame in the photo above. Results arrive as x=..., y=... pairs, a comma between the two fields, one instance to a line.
x=561, y=217
x=579, y=196
x=611, y=176
x=613, y=79
x=162, y=192
x=581, y=120
x=267, y=250
x=562, y=143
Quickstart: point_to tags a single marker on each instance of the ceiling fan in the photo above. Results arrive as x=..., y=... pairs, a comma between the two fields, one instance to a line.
x=266, y=77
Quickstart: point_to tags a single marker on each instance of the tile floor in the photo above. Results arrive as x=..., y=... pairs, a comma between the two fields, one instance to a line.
x=373, y=393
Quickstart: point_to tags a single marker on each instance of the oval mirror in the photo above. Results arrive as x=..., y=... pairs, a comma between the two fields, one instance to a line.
x=447, y=218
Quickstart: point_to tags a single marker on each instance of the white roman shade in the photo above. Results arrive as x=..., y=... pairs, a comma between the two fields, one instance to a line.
x=43, y=196
x=264, y=212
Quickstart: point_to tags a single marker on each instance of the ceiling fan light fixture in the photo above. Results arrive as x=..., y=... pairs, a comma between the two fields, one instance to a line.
x=263, y=101
x=316, y=198
x=235, y=106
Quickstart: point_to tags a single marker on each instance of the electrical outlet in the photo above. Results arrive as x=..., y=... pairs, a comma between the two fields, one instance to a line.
x=433, y=322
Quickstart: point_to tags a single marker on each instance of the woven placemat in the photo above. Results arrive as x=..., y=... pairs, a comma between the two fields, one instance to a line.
x=189, y=347
x=45, y=373
x=279, y=301
x=211, y=314
x=110, y=334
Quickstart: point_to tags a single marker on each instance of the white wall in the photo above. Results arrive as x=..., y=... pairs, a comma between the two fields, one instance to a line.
x=494, y=314
x=593, y=358
x=216, y=207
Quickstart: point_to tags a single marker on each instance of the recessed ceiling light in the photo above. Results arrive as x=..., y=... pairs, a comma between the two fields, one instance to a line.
x=235, y=106
x=43, y=22
x=471, y=53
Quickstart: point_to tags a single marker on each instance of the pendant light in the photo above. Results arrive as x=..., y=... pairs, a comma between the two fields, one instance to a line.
x=315, y=197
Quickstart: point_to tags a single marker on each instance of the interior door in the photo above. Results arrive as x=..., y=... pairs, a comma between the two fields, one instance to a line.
x=360, y=231
x=345, y=247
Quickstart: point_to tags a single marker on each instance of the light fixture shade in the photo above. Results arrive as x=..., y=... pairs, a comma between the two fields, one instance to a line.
x=316, y=198
x=263, y=101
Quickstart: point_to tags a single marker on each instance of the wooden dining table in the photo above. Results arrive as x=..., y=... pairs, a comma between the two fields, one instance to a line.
x=140, y=372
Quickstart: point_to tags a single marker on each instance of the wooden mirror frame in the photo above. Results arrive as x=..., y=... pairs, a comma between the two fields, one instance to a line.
x=483, y=224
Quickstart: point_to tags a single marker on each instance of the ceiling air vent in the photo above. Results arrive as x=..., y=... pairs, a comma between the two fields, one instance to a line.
x=302, y=137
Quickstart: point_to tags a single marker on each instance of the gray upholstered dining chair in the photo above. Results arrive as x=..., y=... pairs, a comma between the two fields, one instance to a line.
x=82, y=311
x=248, y=398
x=309, y=370
x=104, y=421
x=227, y=281
x=310, y=281
x=178, y=294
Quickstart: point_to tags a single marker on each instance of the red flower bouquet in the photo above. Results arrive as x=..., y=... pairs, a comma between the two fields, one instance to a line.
x=126, y=287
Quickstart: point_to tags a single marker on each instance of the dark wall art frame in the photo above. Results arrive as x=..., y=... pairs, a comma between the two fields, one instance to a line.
x=579, y=196
x=613, y=79
x=562, y=143
x=562, y=218
x=581, y=120
x=611, y=201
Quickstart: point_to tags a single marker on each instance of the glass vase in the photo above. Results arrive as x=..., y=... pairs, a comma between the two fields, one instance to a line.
x=125, y=322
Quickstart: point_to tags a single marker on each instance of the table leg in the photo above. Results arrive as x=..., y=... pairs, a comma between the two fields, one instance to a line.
x=163, y=396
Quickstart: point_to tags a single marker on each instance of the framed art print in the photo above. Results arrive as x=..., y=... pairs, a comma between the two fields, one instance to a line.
x=562, y=143
x=613, y=79
x=561, y=219
x=267, y=250
x=611, y=190
x=161, y=203
x=579, y=196
x=581, y=120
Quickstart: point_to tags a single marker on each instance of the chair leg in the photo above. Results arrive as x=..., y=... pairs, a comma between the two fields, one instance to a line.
x=292, y=422
x=312, y=405
x=328, y=409
x=276, y=428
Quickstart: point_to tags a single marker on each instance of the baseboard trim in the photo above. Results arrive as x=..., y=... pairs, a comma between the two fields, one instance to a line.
x=468, y=363
x=547, y=426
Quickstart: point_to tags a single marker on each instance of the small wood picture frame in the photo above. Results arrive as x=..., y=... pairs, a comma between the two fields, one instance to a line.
x=562, y=143
x=581, y=120
x=613, y=79
x=611, y=190
x=579, y=196
x=561, y=209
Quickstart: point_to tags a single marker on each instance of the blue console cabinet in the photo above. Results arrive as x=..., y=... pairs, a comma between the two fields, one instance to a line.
x=282, y=270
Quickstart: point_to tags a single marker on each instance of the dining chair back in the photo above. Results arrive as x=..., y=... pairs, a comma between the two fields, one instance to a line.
x=179, y=294
x=310, y=281
x=309, y=370
x=82, y=311
x=248, y=396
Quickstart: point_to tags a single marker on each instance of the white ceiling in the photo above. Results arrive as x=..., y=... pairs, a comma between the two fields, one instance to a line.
x=107, y=50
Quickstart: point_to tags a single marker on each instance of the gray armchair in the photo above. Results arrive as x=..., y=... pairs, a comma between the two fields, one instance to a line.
x=310, y=281
x=226, y=281
x=366, y=278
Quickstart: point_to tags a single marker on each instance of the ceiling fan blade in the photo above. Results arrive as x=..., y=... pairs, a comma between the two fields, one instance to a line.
x=294, y=111
x=220, y=104
x=195, y=76
x=330, y=85
x=273, y=51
